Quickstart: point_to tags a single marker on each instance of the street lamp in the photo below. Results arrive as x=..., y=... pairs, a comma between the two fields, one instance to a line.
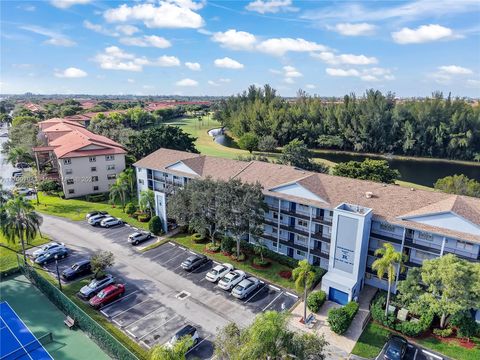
x=58, y=273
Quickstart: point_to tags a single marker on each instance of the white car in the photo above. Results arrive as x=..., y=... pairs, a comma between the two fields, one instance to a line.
x=24, y=191
x=245, y=287
x=139, y=236
x=231, y=279
x=45, y=248
x=96, y=219
x=218, y=272
x=110, y=221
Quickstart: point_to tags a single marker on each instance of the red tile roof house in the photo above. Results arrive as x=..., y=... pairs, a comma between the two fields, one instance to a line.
x=86, y=163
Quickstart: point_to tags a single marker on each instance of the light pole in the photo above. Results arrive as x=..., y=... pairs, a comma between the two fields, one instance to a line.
x=58, y=274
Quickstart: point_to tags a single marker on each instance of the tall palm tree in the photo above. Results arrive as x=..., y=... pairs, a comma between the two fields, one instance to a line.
x=128, y=177
x=387, y=263
x=118, y=191
x=19, y=154
x=147, y=201
x=304, y=276
x=19, y=221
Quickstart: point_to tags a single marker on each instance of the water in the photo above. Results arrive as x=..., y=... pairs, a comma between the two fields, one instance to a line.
x=424, y=172
x=220, y=138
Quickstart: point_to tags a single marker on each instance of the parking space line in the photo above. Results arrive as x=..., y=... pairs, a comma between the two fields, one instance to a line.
x=162, y=253
x=191, y=252
x=191, y=272
x=122, y=298
x=171, y=243
x=255, y=293
x=273, y=287
x=292, y=295
x=174, y=316
x=415, y=355
x=181, y=247
x=145, y=344
x=165, y=263
x=131, y=307
x=271, y=302
x=198, y=344
x=143, y=317
x=431, y=354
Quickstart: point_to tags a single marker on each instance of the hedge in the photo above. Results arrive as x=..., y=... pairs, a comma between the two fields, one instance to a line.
x=315, y=300
x=340, y=319
x=155, y=225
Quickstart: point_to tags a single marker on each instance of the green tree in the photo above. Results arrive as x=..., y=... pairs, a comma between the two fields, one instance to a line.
x=147, y=201
x=101, y=261
x=155, y=225
x=19, y=154
x=388, y=262
x=304, y=276
x=177, y=352
x=248, y=142
x=118, y=192
x=410, y=288
x=458, y=184
x=267, y=143
x=19, y=221
x=373, y=170
x=128, y=177
x=296, y=153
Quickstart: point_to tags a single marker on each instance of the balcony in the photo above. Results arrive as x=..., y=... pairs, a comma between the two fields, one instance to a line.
x=386, y=238
x=409, y=243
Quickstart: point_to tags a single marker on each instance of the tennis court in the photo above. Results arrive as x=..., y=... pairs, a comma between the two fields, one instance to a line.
x=16, y=339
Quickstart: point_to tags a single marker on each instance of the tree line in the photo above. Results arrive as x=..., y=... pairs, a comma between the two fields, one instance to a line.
x=437, y=126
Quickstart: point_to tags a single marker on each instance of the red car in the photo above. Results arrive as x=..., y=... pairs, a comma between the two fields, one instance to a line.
x=107, y=295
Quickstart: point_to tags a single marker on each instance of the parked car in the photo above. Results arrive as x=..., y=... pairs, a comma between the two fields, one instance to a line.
x=245, y=287
x=110, y=221
x=395, y=348
x=95, y=286
x=93, y=213
x=187, y=330
x=78, y=269
x=52, y=254
x=107, y=295
x=22, y=165
x=139, y=236
x=218, y=272
x=17, y=174
x=24, y=191
x=46, y=247
x=193, y=262
x=231, y=279
x=96, y=219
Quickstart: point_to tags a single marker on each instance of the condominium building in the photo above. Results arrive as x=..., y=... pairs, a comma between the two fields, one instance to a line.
x=85, y=163
x=336, y=223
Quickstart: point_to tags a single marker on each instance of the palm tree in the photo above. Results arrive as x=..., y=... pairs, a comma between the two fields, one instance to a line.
x=118, y=191
x=304, y=276
x=147, y=201
x=19, y=154
x=387, y=263
x=19, y=221
x=128, y=177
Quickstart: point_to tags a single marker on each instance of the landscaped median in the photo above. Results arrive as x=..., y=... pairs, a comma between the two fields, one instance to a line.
x=8, y=252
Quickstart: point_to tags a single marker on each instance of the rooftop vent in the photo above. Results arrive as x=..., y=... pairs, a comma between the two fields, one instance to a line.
x=369, y=194
x=412, y=189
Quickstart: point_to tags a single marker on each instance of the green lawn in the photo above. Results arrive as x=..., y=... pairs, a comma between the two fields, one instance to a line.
x=374, y=337
x=8, y=258
x=76, y=209
x=270, y=274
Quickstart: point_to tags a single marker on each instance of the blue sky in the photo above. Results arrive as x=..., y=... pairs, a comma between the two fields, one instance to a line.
x=189, y=47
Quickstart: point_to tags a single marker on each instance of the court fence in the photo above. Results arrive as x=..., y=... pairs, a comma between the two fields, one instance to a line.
x=102, y=337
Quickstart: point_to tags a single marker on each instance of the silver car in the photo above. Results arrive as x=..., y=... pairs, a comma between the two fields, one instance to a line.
x=139, y=236
x=245, y=287
x=96, y=219
x=218, y=272
x=110, y=221
x=45, y=248
x=95, y=286
x=231, y=279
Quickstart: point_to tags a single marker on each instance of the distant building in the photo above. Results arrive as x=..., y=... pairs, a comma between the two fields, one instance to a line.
x=336, y=223
x=85, y=163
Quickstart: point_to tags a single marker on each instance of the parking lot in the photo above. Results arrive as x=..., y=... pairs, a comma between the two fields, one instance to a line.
x=414, y=353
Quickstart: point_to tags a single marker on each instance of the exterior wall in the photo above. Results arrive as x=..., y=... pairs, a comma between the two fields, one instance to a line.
x=80, y=171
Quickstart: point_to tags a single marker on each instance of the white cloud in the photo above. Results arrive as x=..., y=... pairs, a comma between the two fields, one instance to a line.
x=422, y=34
x=70, y=72
x=55, y=38
x=131, y=81
x=128, y=30
x=455, y=70
x=271, y=6
x=179, y=14
x=310, y=86
x=99, y=29
x=236, y=40
x=288, y=72
x=473, y=83
x=194, y=66
x=228, y=63
x=370, y=74
x=350, y=59
x=65, y=4
x=280, y=46
x=114, y=58
x=224, y=80
x=342, y=72
x=187, y=82
x=147, y=41
x=27, y=7
x=213, y=83
x=358, y=29
x=166, y=61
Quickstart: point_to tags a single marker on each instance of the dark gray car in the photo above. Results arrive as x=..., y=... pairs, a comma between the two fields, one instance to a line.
x=193, y=262
x=95, y=286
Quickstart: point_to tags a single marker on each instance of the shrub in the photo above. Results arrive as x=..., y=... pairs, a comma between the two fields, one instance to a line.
x=377, y=309
x=155, y=225
x=198, y=238
x=242, y=257
x=465, y=324
x=48, y=186
x=259, y=262
x=130, y=209
x=227, y=243
x=413, y=329
x=281, y=259
x=443, y=332
x=144, y=218
x=315, y=300
x=285, y=274
x=96, y=198
x=340, y=319
x=212, y=247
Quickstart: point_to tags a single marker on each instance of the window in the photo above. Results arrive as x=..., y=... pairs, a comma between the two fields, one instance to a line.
x=463, y=245
x=93, y=168
x=387, y=227
x=95, y=188
x=110, y=157
x=71, y=191
x=68, y=171
x=303, y=223
x=302, y=239
x=422, y=255
x=110, y=167
x=139, y=170
x=301, y=253
x=67, y=161
x=175, y=177
x=70, y=181
x=92, y=159
x=140, y=181
x=425, y=236
x=275, y=216
x=111, y=176
x=94, y=178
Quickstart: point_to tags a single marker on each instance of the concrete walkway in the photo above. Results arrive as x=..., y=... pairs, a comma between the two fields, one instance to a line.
x=340, y=346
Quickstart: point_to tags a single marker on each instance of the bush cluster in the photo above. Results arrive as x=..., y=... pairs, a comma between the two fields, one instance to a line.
x=465, y=324
x=443, y=332
x=241, y=257
x=198, y=238
x=259, y=262
x=145, y=218
x=315, y=300
x=414, y=329
x=212, y=247
x=97, y=197
x=227, y=243
x=340, y=319
x=154, y=225
x=130, y=209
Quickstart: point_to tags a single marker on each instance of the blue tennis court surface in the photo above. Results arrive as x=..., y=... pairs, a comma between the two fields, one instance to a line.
x=16, y=340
